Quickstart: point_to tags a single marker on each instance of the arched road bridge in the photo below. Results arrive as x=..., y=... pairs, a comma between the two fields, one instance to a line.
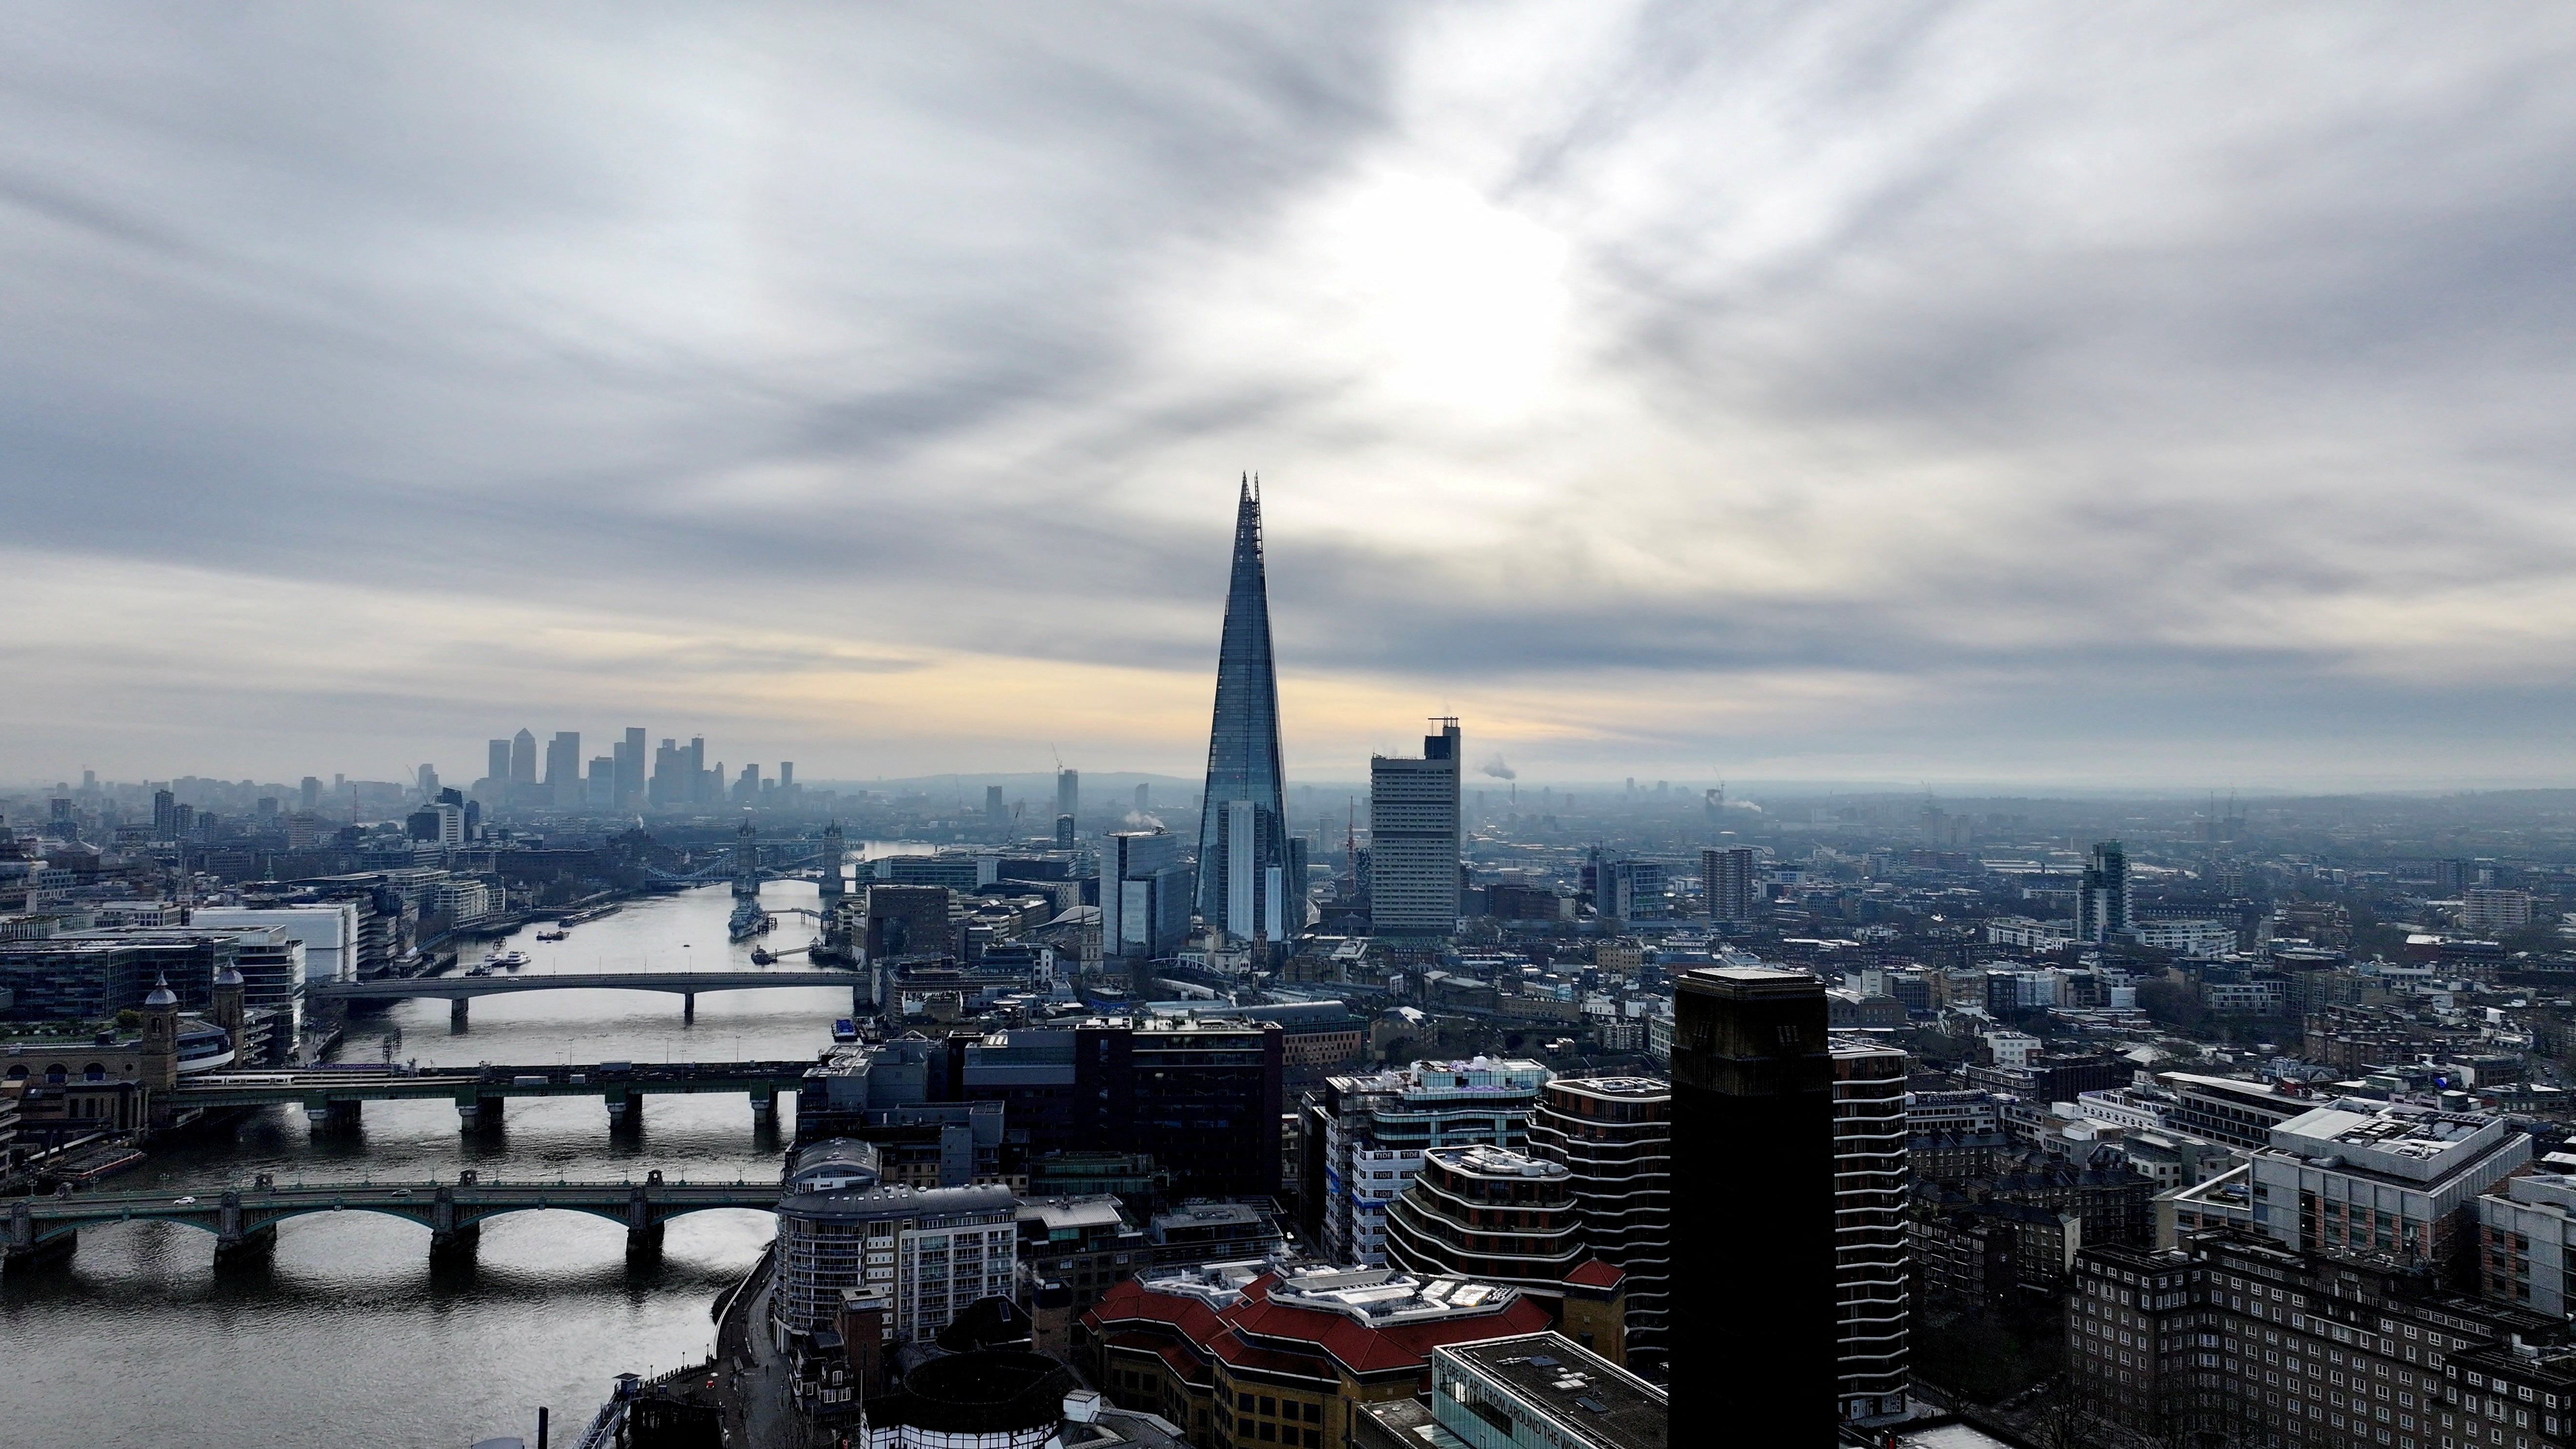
x=244, y=1220
x=687, y=985
x=332, y=1098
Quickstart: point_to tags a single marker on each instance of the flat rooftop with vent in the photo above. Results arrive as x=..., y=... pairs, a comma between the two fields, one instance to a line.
x=1543, y=1389
x=2401, y=1142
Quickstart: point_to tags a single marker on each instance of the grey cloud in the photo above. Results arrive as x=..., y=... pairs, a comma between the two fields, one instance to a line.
x=839, y=315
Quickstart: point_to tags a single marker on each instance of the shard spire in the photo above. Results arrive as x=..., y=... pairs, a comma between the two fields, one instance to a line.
x=1237, y=887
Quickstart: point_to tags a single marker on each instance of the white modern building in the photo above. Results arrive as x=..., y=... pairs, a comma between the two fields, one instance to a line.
x=327, y=930
x=1376, y=1127
x=2397, y=1179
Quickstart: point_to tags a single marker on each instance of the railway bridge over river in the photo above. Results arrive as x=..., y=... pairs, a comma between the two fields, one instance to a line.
x=334, y=1098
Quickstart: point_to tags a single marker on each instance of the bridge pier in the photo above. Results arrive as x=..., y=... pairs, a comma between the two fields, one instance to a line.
x=688, y=1006
x=764, y=1105
x=456, y=1014
x=331, y=1116
x=446, y=1236
x=20, y=1251
x=474, y=1113
x=246, y=1249
x=625, y=1110
x=643, y=1230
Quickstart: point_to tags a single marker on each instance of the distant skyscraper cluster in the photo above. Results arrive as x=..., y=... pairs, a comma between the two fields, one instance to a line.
x=630, y=778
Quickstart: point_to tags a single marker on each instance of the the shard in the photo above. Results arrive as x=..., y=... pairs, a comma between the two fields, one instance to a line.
x=1245, y=885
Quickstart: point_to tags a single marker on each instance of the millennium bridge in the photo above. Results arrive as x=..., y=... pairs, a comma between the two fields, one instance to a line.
x=687, y=985
x=244, y=1220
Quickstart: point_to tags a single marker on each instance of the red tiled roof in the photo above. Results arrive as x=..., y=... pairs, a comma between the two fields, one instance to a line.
x=1190, y=1369
x=1284, y=1339
x=1593, y=1273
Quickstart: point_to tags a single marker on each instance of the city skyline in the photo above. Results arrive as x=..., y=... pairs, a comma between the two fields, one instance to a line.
x=1748, y=394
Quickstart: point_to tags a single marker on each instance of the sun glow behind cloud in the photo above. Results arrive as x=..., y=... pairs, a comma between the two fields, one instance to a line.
x=1979, y=391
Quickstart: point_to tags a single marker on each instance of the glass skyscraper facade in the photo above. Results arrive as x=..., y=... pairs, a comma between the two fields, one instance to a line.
x=1243, y=883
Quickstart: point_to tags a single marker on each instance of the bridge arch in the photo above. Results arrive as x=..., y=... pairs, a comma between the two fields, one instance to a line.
x=206, y=1214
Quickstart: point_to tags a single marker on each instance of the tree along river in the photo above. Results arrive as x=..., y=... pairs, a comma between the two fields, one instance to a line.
x=349, y=1334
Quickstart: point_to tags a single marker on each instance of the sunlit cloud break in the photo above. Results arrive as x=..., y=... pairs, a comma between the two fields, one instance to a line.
x=1990, y=391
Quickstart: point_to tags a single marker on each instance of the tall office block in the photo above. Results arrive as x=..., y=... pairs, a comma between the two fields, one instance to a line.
x=523, y=759
x=1629, y=890
x=1413, y=838
x=1615, y=1134
x=1869, y=1225
x=630, y=769
x=1753, y=1175
x=1068, y=793
x=497, y=762
x=1375, y=1127
x=1243, y=852
x=2102, y=902
x=599, y=790
x=1145, y=892
x=1726, y=882
x=563, y=768
x=997, y=816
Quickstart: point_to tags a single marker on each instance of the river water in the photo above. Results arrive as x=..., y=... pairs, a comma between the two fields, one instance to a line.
x=348, y=1335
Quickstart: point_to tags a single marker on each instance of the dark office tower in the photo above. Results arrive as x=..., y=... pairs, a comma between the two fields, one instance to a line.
x=703, y=788
x=310, y=793
x=1243, y=852
x=523, y=758
x=997, y=816
x=1753, y=1176
x=497, y=762
x=165, y=815
x=1068, y=792
x=2102, y=905
x=1144, y=797
x=630, y=769
x=1064, y=832
x=1615, y=1134
x=1726, y=882
x=1203, y=1096
x=563, y=768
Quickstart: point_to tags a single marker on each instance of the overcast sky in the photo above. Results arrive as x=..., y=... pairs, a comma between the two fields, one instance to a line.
x=2054, y=393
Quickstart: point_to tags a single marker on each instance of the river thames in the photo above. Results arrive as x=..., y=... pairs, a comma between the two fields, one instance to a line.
x=349, y=1335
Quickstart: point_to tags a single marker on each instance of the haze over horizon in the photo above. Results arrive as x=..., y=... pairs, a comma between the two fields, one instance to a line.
x=1981, y=393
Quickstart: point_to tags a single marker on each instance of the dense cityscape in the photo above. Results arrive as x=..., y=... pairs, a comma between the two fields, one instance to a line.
x=1521, y=725
x=1461, y=1118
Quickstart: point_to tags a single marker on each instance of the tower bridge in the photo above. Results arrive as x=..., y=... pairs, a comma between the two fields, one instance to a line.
x=244, y=1221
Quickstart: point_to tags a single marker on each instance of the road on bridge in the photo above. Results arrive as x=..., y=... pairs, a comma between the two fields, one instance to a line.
x=245, y=1219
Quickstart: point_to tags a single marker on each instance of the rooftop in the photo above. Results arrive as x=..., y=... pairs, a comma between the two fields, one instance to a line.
x=1098, y=1211
x=1494, y=1162
x=1385, y=1296
x=2404, y=1142
x=1616, y=1086
x=1587, y=1398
